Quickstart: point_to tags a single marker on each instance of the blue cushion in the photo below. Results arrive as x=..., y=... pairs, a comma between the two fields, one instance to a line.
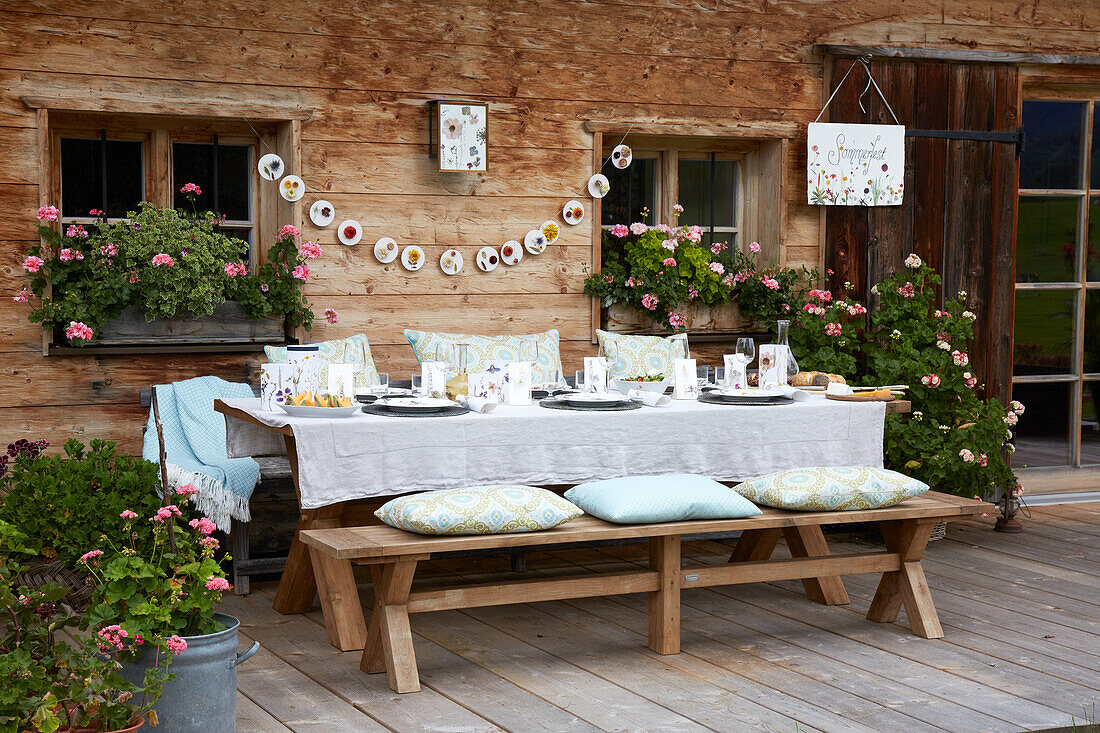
x=651, y=499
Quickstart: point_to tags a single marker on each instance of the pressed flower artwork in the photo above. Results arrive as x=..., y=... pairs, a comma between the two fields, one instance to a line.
x=855, y=165
x=462, y=135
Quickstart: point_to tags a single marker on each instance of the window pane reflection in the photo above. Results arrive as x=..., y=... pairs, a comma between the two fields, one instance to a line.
x=1042, y=435
x=1043, y=340
x=1052, y=156
x=632, y=190
x=82, y=176
x=1090, y=423
x=704, y=192
x=1046, y=239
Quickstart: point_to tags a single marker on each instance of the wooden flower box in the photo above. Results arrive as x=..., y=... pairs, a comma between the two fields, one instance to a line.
x=704, y=319
x=228, y=324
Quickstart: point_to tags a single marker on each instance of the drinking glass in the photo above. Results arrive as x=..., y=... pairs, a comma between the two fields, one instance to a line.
x=702, y=375
x=381, y=384
x=609, y=352
x=445, y=352
x=745, y=351
x=719, y=377
x=417, y=382
x=578, y=381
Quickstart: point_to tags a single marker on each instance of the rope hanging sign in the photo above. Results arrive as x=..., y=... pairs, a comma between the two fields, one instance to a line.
x=855, y=164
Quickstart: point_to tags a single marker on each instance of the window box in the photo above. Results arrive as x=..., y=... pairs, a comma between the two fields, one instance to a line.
x=621, y=318
x=228, y=324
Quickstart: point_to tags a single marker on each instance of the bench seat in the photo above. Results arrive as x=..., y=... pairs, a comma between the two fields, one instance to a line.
x=392, y=555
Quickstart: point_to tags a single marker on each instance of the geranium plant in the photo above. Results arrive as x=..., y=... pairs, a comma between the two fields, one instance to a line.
x=51, y=683
x=826, y=334
x=169, y=262
x=663, y=270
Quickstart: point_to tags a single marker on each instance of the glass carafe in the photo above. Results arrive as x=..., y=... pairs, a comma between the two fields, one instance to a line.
x=460, y=383
x=784, y=344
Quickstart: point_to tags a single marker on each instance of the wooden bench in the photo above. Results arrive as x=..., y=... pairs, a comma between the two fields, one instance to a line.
x=393, y=554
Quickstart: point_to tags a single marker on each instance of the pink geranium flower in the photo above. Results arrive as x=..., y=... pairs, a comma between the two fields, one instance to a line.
x=669, y=262
x=186, y=491
x=930, y=380
x=301, y=272
x=88, y=557
x=754, y=246
x=960, y=358
x=676, y=320
x=833, y=329
x=650, y=301
x=176, y=644
x=128, y=514
x=75, y=230
x=967, y=455
x=32, y=263
x=67, y=254
x=165, y=513
x=48, y=213
x=717, y=247
x=109, y=250
x=21, y=296
x=693, y=293
x=619, y=230
x=907, y=291
x=310, y=250
x=203, y=525
x=77, y=330
x=677, y=208
x=717, y=268
x=288, y=231
x=215, y=583
x=770, y=282
x=162, y=260
x=233, y=269
x=695, y=233
x=331, y=315
x=669, y=244
x=638, y=228
x=191, y=188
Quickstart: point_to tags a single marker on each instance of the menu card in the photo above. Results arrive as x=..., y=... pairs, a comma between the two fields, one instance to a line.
x=519, y=382
x=685, y=386
x=595, y=374
x=433, y=378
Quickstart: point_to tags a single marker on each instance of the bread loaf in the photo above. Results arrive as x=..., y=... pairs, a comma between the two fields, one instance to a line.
x=816, y=379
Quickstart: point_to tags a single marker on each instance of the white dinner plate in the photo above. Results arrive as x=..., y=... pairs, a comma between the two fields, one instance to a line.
x=413, y=404
x=511, y=253
x=412, y=259
x=349, y=232
x=573, y=213
x=321, y=213
x=292, y=188
x=593, y=398
x=308, y=411
x=271, y=167
x=386, y=250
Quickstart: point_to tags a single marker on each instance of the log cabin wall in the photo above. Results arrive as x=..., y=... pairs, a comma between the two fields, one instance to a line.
x=366, y=72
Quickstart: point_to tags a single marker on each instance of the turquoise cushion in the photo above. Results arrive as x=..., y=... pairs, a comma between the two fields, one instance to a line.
x=483, y=350
x=636, y=356
x=478, y=510
x=832, y=488
x=652, y=499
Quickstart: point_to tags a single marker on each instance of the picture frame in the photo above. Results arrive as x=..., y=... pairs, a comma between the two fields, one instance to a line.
x=458, y=135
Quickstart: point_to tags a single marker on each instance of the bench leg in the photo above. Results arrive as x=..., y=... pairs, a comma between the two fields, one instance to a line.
x=809, y=541
x=389, y=644
x=339, y=601
x=755, y=544
x=664, y=604
x=907, y=586
x=298, y=586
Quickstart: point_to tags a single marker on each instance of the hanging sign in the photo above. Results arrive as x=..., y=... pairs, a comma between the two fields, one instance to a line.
x=855, y=165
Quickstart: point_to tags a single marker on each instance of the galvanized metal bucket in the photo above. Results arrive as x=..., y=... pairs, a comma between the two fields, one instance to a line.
x=203, y=696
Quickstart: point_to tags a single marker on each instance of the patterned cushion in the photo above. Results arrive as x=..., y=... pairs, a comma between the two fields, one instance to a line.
x=639, y=355
x=832, y=489
x=484, y=349
x=649, y=499
x=351, y=350
x=478, y=510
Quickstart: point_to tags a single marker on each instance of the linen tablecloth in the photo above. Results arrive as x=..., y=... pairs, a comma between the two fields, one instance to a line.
x=367, y=456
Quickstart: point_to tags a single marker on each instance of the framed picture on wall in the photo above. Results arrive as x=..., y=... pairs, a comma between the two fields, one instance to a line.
x=459, y=135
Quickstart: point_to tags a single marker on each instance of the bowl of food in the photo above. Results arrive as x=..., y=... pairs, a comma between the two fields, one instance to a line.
x=656, y=382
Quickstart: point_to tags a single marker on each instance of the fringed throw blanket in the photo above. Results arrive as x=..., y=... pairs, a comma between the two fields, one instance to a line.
x=194, y=443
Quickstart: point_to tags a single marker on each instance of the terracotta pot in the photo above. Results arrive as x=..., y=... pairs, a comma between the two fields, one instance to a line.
x=139, y=722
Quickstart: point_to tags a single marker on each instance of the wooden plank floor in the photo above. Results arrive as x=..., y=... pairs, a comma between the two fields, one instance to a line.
x=1022, y=651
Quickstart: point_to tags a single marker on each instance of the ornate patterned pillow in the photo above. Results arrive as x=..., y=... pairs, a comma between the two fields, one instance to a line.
x=640, y=355
x=484, y=349
x=478, y=510
x=674, y=497
x=832, y=489
x=351, y=350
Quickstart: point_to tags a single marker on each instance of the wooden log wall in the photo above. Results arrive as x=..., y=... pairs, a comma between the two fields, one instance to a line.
x=367, y=70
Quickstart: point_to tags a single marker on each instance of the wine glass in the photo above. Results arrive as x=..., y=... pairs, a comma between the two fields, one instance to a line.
x=702, y=375
x=745, y=352
x=445, y=352
x=381, y=384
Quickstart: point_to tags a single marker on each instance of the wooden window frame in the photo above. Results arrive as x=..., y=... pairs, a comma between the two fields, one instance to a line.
x=276, y=128
x=1075, y=475
x=764, y=146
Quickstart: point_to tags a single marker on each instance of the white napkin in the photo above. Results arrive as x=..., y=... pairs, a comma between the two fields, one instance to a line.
x=476, y=404
x=653, y=399
x=794, y=393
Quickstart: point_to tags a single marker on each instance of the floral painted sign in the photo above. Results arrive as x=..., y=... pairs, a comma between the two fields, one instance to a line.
x=855, y=165
x=463, y=135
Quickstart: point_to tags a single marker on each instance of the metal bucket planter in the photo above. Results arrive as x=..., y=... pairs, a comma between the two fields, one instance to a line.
x=203, y=696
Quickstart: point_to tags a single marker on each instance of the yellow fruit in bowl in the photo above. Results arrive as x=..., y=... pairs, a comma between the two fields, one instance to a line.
x=302, y=399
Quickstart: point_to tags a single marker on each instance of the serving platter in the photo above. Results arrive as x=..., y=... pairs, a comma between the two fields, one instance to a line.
x=413, y=404
x=329, y=412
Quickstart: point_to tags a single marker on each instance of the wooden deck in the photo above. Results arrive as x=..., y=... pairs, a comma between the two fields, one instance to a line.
x=1022, y=653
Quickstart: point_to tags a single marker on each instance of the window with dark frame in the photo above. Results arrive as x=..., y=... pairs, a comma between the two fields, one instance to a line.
x=224, y=173
x=101, y=173
x=1056, y=359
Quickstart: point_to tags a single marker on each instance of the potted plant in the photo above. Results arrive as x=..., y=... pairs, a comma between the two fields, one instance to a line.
x=52, y=683
x=158, y=580
x=163, y=273
x=64, y=503
x=666, y=275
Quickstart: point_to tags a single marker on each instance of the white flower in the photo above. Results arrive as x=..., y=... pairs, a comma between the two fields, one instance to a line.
x=895, y=334
x=1016, y=406
x=1010, y=448
x=969, y=315
x=962, y=293
x=1011, y=418
x=874, y=289
x=847, y=285
x=960, y=358
x=945, y=428
x=918, y=415
x=943, y=345
x=966, y=455
x=912, y=261
x=1009, y=435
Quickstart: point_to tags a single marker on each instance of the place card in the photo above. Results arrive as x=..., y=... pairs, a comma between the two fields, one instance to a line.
x=773, y=365
x=433, y=378
x=341, y=380
x=595, y=374
x=685, y=385
x=276, y=386
x=519, y=382
x=735, y=373
x=488, y=385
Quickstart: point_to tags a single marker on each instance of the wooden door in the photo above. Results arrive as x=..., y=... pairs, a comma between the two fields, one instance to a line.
x=959, y=212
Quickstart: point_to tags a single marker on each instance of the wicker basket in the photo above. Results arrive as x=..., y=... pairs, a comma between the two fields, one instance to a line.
x=42, y=571
x=938, y=532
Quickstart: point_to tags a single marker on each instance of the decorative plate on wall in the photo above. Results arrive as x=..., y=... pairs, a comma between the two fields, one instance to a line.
x=598, y=186
x=511, y=253
x=292, y=188
x=385, y=250
x=573, y=213
x=621, y=156
x=321, y=213
x=535, y=242
x=412, y=258
x=487, y=259
x=551, y=231
x=271, y=167
x=451, y=262
x=350, y=232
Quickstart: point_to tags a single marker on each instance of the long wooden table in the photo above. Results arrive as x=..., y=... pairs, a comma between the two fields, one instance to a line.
x=393, y=555
x=298, y=584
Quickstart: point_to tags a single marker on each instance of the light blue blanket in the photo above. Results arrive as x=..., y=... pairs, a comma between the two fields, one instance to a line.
x=194, y=443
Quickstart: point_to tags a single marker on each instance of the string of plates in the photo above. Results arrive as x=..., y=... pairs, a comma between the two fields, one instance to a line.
x=386, y=250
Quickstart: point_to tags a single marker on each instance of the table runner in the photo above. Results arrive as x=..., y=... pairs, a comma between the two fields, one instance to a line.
x=367, y=455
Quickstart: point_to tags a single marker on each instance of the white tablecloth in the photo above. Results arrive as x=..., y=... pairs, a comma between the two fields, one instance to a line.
x=369, y=455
